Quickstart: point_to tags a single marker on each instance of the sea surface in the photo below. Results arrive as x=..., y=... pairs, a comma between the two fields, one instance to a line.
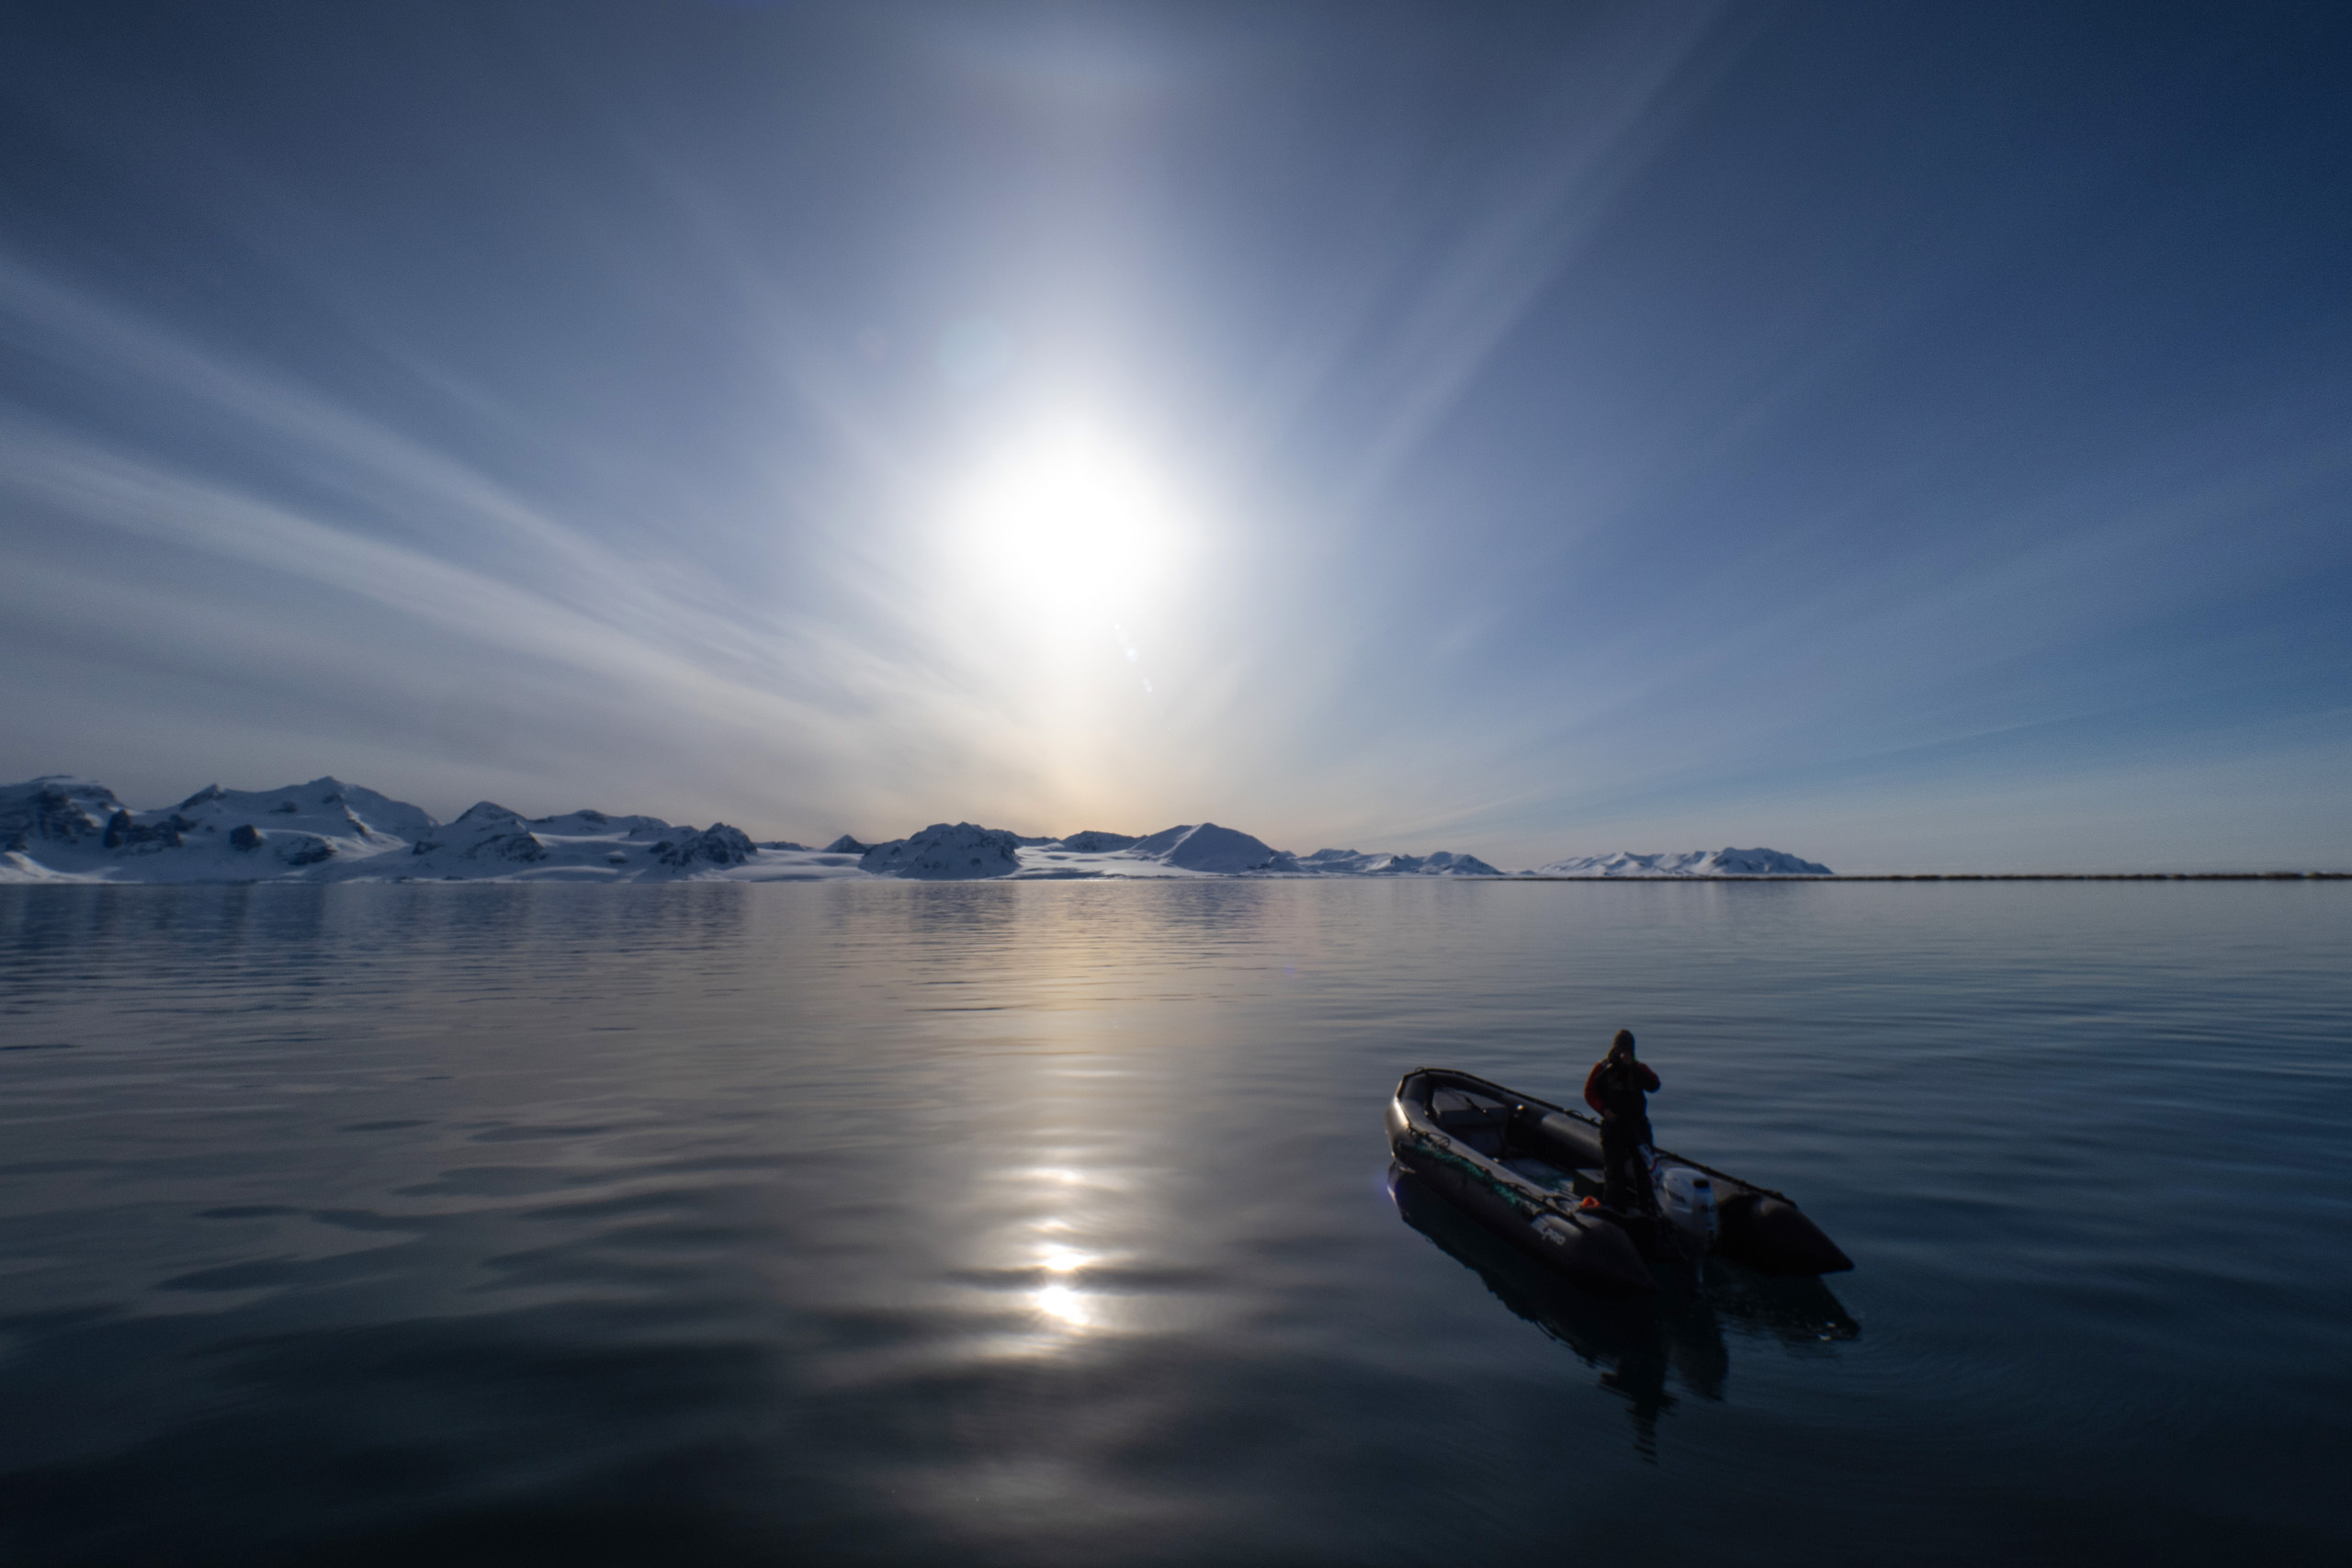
x=1052, y=1224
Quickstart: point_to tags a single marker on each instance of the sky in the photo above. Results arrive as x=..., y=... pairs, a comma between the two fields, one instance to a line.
x=1916, y=437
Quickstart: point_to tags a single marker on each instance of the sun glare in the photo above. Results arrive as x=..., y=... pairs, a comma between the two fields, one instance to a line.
x=1070, y=519
x=1065, y=1305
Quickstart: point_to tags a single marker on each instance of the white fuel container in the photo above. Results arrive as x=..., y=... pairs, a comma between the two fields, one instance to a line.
x=1687, y=1198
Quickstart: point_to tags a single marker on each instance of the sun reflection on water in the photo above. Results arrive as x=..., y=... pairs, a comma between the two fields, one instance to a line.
x=1065, y=1304
x=1070, y=1251
x=1060, y=1259
x=1063, y=1299
x=1052, y=1254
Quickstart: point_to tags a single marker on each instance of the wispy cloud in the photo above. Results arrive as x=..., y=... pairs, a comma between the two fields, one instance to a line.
x=1642, y=417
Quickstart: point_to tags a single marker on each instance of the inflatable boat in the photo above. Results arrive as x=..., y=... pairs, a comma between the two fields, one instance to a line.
x=1525, y=1167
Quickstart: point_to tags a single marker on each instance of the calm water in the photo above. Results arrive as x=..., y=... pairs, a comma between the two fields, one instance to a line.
x=1051, y=1223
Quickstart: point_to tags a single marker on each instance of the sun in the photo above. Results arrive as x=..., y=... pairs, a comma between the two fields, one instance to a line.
x=1069, y=521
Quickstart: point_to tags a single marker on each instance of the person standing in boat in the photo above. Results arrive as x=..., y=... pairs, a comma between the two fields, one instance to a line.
x=1617, y=1088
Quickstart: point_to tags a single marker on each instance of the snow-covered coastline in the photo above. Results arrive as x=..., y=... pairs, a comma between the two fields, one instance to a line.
x=58, y=829
x=1695, y=862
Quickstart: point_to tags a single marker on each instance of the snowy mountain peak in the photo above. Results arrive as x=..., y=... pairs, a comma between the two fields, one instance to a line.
x=1153, y=845
x=718, y=845
x=1692, y=863
x=947, y=851
x=1211, y=849
x=56, y=808
x=1094, y=842
x=1354, y=862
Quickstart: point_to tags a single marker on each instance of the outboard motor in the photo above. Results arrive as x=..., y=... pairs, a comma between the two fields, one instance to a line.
x=1686, y=1198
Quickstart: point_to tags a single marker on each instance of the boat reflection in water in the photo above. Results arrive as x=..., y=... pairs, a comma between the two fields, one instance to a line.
x=1639, y=1344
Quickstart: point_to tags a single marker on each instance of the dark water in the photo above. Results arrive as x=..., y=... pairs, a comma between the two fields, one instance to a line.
x=1050, y=1224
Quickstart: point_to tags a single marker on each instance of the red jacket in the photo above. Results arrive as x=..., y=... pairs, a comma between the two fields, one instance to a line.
x=1592, y=1095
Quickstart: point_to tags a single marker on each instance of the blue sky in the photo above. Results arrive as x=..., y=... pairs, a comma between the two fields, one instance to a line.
x=1912, y=436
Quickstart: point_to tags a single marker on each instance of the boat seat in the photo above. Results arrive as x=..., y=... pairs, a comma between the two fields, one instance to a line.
x=1479, y=1126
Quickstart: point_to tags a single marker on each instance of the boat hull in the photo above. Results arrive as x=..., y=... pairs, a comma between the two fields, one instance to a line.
x=1572, y=1242
x=1498, y=1154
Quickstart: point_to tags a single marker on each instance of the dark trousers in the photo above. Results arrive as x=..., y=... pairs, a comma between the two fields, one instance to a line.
x=1626, y=1175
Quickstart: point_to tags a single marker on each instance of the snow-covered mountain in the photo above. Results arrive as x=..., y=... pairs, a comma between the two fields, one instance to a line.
x=1094, y=842
x=71, y=826
x=488, y=840
x=1355, y=863
x=59, y=829
x=960, y=850
x=1211, y=849
x=1691, y=862
x=947, y=851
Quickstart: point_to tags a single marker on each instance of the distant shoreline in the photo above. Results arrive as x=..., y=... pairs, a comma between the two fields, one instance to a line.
x=1978, y=876
x=1241, y=876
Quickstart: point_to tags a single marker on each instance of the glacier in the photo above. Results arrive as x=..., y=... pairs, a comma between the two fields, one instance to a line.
x=61, y=828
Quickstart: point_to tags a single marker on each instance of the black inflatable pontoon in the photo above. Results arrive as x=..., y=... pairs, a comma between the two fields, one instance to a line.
x=1522, y=1167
